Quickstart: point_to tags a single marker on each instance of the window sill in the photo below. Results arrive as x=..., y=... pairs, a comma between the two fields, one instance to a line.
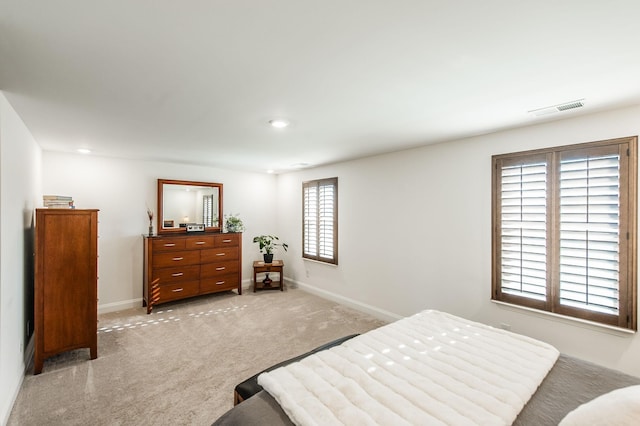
x=595, y=326
x=319, y=262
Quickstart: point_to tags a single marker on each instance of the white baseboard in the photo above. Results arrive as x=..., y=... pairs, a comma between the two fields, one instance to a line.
x=363, y=307
x=29, y=352
x=119, y=306
x=247, y=285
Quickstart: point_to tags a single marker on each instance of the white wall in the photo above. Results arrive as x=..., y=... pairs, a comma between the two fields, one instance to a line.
x=19, y=191
x=414, y=233
x=122, y=190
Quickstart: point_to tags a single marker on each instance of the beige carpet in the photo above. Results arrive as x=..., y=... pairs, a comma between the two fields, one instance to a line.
x=179, y=365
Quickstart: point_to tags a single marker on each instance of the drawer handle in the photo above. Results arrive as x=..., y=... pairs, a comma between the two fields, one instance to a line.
x=177, y=290
x=177, y=274
x=221, y=254
x=200, y=242
x=220, y=283
x=226, y=241
x=178, y=258
x=221, y=268
x=170, y=245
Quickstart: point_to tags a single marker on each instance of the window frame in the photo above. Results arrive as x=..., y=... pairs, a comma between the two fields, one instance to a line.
x=319, y=237
x=627, y=282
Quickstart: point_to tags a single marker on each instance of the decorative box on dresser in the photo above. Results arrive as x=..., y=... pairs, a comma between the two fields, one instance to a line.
x=177, y=266
x=66, y=283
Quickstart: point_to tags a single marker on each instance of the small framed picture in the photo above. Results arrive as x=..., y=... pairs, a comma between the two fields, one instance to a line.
x=167, y=224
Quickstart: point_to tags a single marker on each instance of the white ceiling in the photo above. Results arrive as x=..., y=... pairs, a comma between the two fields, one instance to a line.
x=196, y=81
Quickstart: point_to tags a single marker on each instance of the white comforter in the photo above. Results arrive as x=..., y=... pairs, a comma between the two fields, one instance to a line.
x=428, y=369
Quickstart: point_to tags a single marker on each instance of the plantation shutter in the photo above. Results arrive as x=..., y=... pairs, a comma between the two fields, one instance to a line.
x=207, y=210
x=590, y=231
x=311, y=220
x=523, y=197
x=325, y=218
x=565, y=225
x=320, y=220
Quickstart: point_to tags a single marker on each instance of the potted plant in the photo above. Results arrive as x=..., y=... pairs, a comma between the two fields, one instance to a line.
x=233, y=223
x=267, y=244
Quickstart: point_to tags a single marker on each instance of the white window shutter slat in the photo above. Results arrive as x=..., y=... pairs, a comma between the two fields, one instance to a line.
x=523, y=220
x=589, y=233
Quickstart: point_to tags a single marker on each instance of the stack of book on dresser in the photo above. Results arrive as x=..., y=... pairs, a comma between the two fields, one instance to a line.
x=58, y=202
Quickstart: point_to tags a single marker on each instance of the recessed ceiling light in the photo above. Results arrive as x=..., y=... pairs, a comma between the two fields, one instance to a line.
x=270, y=171
x=84, y=151
x=279, y=123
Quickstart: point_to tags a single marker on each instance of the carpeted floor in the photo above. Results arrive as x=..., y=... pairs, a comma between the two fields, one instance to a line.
x=179, y=365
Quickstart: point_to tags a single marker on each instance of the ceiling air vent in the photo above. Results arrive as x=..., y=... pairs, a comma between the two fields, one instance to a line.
x=558, y=108
x=570, y=105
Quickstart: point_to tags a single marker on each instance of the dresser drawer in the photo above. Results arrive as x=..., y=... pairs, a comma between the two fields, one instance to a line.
x=178, y=290
x=227, y=240
x=200, y=242
x=166, y=244
x=224, y=282
x=178, y=258
x=219, y=254
x=180, y=273
x=217, y=269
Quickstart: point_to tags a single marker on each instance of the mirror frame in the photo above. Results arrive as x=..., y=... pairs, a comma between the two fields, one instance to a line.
x=162, y=182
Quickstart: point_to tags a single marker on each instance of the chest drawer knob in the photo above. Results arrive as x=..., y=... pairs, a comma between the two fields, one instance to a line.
x=177, y=274
x=200, y=242
x=220, y=268
x=219, y=282
x=226, y=241
x=169, y=245
x=178, y=258
x=221, y=254
x=177, y=290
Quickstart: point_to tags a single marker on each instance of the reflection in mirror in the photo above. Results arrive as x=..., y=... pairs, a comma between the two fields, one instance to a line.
x=184, y=202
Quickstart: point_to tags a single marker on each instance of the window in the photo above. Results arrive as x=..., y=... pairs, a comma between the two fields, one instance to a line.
x=320, y=220
x=564, y=230
x=207, y=210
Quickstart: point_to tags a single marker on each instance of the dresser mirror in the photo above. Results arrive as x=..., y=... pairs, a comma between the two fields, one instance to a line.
x=182, y=203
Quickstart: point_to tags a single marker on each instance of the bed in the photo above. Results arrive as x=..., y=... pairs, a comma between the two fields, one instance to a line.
x=441, y=370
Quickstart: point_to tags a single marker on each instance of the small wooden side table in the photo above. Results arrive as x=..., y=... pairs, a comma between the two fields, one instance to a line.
x=261, y=267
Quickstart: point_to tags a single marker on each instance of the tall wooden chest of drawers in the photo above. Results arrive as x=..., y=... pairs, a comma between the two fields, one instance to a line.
x=66, y=283
x=181, y=266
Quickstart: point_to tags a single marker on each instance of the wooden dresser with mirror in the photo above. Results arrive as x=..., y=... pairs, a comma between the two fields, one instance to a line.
x=179, y=264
